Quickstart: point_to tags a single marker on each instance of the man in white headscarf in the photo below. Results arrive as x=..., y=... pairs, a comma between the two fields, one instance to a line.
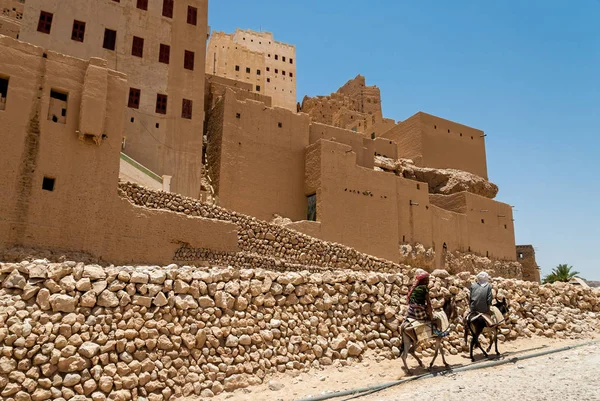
x=481, y=294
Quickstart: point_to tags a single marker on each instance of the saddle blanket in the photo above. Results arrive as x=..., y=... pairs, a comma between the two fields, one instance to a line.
x=492, y=319
x=422, y=328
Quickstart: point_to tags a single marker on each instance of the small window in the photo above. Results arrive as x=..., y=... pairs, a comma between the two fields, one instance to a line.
x=192, y=15
x=186, y=109
x=161, y=104
x=520, y=255
x=78, y=31
x=291, y=61
x=258, y=88
x=268, y=69
x=3, y=93
x=448, y=131
x=291, y=74
x=188, y=60
x=276, y=71
x=280, y=125
x=167, y=10
x=419, y=186
x=257, y=72
x=45, y=22
x=276, y=57
x=283, y=73
x=164, y=54
x=137, y=48
x=110, y=39
x=237, y=67
x=283, y=58
x=268, y=79
x=134, y=98
x=238, y=115
x=482, y=221
x=57, y=109
x=311, y=213
x=48, y=184
x=372, y=135
x=505, y=227
x=248, y=70
x=142, y=4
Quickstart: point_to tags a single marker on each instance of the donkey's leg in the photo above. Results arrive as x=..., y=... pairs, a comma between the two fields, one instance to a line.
x=438, y=341
x=412, y=350
x=479, y=330
x=406, y=344
x=446, y=364
x=496, y=340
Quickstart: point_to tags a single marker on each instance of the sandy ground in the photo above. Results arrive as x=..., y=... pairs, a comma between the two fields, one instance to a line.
x=573, y=374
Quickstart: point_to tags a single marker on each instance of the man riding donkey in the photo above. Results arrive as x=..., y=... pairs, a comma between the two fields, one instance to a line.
x=482, y=313
x=421, y=322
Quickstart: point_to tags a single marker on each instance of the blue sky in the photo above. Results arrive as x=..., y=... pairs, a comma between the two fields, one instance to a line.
x=525, y=72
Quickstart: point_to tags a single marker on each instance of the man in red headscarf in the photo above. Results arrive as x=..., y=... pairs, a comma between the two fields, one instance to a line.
x=419, y=304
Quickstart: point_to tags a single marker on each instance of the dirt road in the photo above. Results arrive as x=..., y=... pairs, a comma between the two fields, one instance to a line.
x=570, y=375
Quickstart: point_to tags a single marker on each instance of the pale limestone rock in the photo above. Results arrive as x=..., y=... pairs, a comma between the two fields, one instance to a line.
x=62, y=303
x=108, y=299
x=94, y=272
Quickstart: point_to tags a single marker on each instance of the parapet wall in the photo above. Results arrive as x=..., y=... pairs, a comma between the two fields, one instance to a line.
x=76, y=331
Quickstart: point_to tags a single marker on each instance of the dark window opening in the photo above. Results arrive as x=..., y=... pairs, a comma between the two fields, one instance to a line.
x=134, y=98
x=48, y=184
x=435, y=127
x=45, y=22
x=142, y=4
x=257, y=72
x=3, y=92
x=167, y=10
x=237, y=67
x=505, y=227
x=188, y=60
x=418, y=186
x=164, y=54
x=238, y=115
x=276, y=71
x=291, y=74
x=268, y=79
x=404, y=238
x=268, y=69
x=482, y=221
x=137, y=48
x=161, y=104
x=311, y=214
x=110, y=39
x=280, y=125
x=248, y=70
x=57, y=109
x=157, y=125
x=192, y=15
x=258, y=88
x=487, y=254
x=132, y=119
x=78, y=32
x=448, y=131
x=283, y=58
x=276, y=57
x=291, y=61
x=373, y=135
x=186, y=109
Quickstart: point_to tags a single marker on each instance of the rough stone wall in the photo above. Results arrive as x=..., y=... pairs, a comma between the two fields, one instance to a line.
x=526, y=256
x=457, y=262
x=73, y=331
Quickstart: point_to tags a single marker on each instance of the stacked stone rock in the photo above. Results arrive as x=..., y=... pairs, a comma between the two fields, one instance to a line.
x=70, y=331
x=268, y=245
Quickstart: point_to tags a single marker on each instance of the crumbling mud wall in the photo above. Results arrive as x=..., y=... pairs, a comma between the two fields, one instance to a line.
x=75, y=331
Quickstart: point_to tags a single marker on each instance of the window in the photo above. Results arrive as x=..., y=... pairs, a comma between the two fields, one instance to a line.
x=237, y=67
x=257, y=72
x=137, y=49
x=164, y=54
x=372, y=135
x=283, y=73
x=161, y=104
x=142, y=4
x=276, y=71
x=238, y=115
x=3, y=92
x=167, y=10
x=283, y=58
x=268, y=69
x=280, y=125
x=110, y=39
x=78, y=31
x=45, y=22
x=57, y=110
x=268, y=79
x=482, y=221
x=276, y=57
x=291, y=74
x=134, y=98
x=248, y=70
x=311, y=212
x=186, y=109
x=48, y=184
x=520, y=255
x=188, y=60
x=258, y=88
x=291, y=61
x=192, y=15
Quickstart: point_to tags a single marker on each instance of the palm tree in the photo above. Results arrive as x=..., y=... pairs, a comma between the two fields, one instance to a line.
x=561, y=273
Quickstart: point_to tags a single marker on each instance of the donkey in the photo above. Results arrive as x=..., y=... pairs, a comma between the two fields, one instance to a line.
x=410, y=339
x=476, y=326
